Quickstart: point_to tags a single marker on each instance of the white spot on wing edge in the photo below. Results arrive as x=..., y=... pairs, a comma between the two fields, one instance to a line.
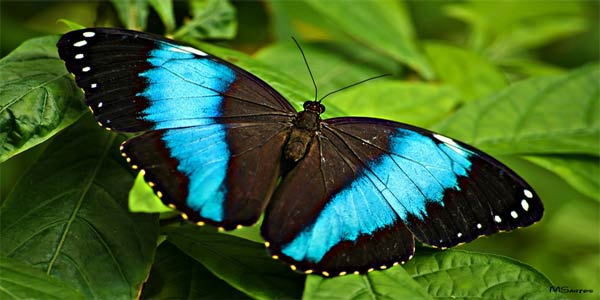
x=459, y=234
x=89, y=34
x=497, y=219
x=79, y=56
x=528, y=193
x=93, y=85
x=186, y=49
x=525, y=205
x=194, y=50
x=514, y=214
x=479, y=226
x=80, y=43
x=86, y=69
x=100, y=104
x=446, y=140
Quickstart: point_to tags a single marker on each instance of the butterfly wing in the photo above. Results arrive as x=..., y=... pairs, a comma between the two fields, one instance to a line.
x=377, y=183
x=213, y=131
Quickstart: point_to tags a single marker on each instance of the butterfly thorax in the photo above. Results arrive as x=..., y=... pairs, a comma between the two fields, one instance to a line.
x=306, y=124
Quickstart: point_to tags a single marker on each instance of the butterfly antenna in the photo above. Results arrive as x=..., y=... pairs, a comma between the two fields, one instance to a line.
x=307, y=66
x=354, y=84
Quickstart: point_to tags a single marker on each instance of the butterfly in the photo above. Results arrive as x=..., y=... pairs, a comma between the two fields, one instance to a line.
x=339, y=196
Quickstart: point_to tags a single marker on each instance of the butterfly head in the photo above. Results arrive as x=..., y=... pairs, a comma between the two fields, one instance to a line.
x=314, y=106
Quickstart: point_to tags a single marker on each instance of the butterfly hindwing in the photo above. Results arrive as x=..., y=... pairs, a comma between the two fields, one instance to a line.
x=326, y=217
x=208, y=123
x=444, y=192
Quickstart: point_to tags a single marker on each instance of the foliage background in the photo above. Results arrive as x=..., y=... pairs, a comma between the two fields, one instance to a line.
x=517, y=79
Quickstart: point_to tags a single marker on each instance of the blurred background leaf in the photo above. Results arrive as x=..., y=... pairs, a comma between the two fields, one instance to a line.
x=164, y=9
x=132, y=13
x=211, y=19
x=542, y=115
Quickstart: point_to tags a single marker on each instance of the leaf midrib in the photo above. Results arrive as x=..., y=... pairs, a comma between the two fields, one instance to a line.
x=77, y=207
x=41, y=85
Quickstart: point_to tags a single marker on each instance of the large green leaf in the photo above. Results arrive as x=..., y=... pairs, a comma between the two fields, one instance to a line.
x=143, y=199
x=21, y=281
x=175, y=275
x=580, y=171
x=383, y=26
x=243, y=264
x=391, y=284
x=38, y=97
x=68, y=217
x=415, y=103
x=474, y=76
x=454, y=274
x=545, y=115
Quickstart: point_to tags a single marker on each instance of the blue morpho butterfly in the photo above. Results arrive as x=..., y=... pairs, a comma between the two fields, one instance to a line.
x=354, y=192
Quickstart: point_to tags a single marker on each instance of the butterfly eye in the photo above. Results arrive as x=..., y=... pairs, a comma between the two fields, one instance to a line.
x=321, y=108
x=306, y=105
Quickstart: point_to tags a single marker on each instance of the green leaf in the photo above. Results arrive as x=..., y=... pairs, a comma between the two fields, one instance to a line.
x=243, y=264
x=143, y=199
x=211, y=19
x=334, y=65
x=542, y=32
x=164, y=9
x=473, y=75
x=391, y=284
x=504, y=28
x=175, y=275
x=21, y=281
x=383, y=26
x=380, y=99
x=38, y=97
x=581, y=172
x=68, y=217
x=527, y=67
x=548, y=115
x=132, y=13
x=71, y=24
x=453, y=274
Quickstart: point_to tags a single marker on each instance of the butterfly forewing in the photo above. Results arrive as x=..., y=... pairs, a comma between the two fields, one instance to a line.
x=214, y=131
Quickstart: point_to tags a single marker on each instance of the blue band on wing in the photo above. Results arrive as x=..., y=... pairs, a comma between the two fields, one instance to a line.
x=183, y=89
x=203, y=156
x=184, y=95
x=418, y=171
x=354, y=211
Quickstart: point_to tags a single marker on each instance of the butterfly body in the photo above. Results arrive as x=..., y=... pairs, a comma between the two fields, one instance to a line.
x=306, y=125
x=339, y=196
